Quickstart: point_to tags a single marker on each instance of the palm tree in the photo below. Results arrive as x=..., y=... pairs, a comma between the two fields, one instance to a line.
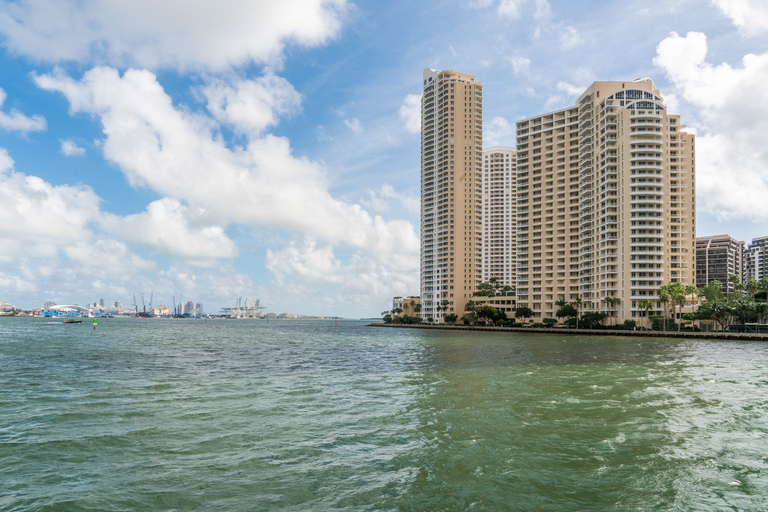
x=577, y=302
x=763, y=285
x=664, y=299
x=647, y=305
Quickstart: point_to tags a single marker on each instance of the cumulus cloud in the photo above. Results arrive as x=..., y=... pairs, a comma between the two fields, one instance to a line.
x=361, y=279
x=381, y=200
x=410, y=113
x=570, y=89
x=47, y=244
x=749, y=16
x=174, y=230
x=354, y=125
x=172, y=34
x=70, y=148
x=154, y=144
x=520, y=65
x=38, y=213
x=731, y=154
x=569, y=38
x=510, y=8
x=18, y=122
x=307, y=260
x=499, y=132
x=251, y=106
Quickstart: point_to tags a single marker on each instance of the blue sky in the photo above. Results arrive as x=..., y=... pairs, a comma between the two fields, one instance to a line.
x=269, y=150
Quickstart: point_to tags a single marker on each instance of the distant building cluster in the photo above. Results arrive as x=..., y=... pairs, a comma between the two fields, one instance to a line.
x=719, y=257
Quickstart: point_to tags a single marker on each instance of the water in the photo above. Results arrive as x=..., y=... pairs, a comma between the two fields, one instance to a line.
x=312, y=415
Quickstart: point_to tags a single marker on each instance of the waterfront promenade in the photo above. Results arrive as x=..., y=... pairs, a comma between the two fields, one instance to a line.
x=586, y=332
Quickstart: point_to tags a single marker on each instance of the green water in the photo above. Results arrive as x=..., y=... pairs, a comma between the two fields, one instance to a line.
x=301, y=415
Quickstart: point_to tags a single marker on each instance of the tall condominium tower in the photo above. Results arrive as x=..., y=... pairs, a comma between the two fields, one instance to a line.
x=756, y=259
x=451, y=191
x=499, y=216
x=605, y=202
x=717, y=258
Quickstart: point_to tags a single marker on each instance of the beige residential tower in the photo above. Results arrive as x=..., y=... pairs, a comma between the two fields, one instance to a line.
x=605, y=202
x=451, y=191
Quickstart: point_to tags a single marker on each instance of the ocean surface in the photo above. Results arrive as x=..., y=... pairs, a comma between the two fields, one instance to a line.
x=239, y=415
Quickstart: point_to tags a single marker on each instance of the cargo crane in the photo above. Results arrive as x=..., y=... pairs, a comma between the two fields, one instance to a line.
x=144, y=313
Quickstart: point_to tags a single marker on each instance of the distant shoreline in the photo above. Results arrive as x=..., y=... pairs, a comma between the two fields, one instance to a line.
x=590, y=332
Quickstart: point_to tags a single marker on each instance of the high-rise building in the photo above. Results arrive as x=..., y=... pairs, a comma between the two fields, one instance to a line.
x=498, y=203
x=718, y=258
x=451, y=191
x=102, y=303
x=756, y=259
x=189, y=308
x=605, y=202
x=199, y=309
x=118, y=305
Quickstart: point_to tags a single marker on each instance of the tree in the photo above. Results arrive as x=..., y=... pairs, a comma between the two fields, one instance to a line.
x=523, y=312
x=592, y=320
x=646, y=305
x=566, y=311
x=577, y=303
x=549, y=322
x=487, y=313
x=612, y=302
x=417, y=308
x=451, y=317
x=712, y=292
x=664, y=299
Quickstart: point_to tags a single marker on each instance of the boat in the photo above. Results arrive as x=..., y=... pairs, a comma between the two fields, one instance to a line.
x=72, y=321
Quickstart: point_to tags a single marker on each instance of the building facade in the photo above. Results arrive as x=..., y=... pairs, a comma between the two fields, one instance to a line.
x=717, y=258
x=605, y=202
x=451, y=191
x=755, y=264
x=498, y=216
x=410, y=305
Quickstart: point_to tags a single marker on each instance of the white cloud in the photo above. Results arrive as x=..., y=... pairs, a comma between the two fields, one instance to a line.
x=381, y=200
x=731, y=154
x=251, y=106
x=354, y=125
x=16, y=121
x=510, y=8
x=173, y=230
x=70, y=148
x=520, y=65
x=40, y=214
x=569, y=38
x=174, y=33
x=410, y=112
x=47, y=245
x=543, y=11
x=749, y=16
x=361, y=280
x=570, y=89
x=499, y=132
x=306, y=260
x=175, y=153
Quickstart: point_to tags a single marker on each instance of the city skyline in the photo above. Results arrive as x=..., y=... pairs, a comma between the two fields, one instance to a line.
x=275, y=153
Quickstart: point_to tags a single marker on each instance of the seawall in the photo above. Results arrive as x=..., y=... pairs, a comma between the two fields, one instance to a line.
x=589, y=332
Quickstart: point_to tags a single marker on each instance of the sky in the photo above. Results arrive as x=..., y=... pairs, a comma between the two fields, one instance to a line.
x=207, y=151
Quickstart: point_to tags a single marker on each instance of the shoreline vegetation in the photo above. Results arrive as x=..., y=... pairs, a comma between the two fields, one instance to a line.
x=584, y=332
